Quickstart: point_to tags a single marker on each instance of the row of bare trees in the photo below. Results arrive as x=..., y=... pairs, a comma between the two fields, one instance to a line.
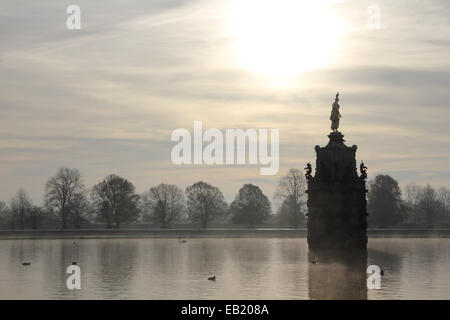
x=419, y=205
x=114, y=201
x=65, y=197
x=426, y=204
x=21, y=211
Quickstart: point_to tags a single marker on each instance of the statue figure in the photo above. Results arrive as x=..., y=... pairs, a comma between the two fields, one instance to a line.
x=363, y=169
x=308, y=170
x=335, y=115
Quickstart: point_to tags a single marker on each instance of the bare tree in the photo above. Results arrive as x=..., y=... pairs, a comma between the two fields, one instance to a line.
x=412, y=198
x=444, y=199
x=164, y=204
x=384, y=202
x=35, y=214
x=250, y=207
x=429, y=204
x=20, y=205
x=204, y=203
x=291, y=192
x=62, y=191
x=80, y=209
x=116, y=201
x=5, y=213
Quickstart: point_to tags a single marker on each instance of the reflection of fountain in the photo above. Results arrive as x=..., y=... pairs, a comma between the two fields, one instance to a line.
x=337, y=274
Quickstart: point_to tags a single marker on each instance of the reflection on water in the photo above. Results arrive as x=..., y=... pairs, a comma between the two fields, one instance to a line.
x=337, y=274
x=244, y=268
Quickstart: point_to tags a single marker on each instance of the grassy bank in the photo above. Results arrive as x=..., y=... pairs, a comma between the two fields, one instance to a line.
x=198, y=233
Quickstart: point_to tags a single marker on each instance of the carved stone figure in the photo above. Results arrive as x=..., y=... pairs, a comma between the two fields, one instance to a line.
x=308, y=170
x=335, y=114
x=363, y=169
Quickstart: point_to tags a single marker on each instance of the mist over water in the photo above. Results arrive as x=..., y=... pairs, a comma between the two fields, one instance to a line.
x=255, y=268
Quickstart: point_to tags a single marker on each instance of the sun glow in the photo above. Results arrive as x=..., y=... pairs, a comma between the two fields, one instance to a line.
x=284, y=37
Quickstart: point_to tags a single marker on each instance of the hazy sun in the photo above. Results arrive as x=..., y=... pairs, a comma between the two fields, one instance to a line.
x=284, y=37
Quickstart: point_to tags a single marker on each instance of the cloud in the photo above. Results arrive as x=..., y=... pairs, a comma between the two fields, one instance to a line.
x=107, y=98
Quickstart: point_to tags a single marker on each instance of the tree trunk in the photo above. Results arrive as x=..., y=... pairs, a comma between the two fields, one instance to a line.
x=430, y=220
x=205, y=219
x=165, y=225
x=108, y=218
x=22, y=224
x=33, y=222
x=77, y=222
x=64, y=219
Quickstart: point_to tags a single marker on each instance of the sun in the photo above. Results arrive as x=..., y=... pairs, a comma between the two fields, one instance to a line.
x=283, y=37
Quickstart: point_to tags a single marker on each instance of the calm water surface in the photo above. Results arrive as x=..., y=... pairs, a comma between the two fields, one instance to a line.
x=245, y=269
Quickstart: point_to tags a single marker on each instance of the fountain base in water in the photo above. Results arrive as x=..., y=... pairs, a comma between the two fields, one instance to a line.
x=337, y=216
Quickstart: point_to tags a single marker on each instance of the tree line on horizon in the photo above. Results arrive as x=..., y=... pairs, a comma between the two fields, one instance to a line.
x=114, y=201
x=68, y=203
x=388, y=206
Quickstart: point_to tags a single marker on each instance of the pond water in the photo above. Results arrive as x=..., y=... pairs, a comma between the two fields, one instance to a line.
x=251, y=268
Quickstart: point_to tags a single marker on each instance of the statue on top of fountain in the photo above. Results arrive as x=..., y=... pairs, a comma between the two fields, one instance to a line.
x=335, y=114
x=337, y=202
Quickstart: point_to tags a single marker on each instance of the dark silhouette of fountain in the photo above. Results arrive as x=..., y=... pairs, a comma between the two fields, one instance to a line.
x=337, y=219
x=337, y=216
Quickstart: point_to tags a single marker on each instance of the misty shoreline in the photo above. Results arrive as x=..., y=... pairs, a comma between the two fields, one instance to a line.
x=202, y=233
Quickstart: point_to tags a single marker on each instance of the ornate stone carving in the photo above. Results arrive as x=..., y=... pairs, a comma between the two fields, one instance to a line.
x=336, y=198
x=363, y=170
x=308, y=172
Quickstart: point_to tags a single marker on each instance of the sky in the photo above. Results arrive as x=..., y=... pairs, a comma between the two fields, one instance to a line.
x=106, y=98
